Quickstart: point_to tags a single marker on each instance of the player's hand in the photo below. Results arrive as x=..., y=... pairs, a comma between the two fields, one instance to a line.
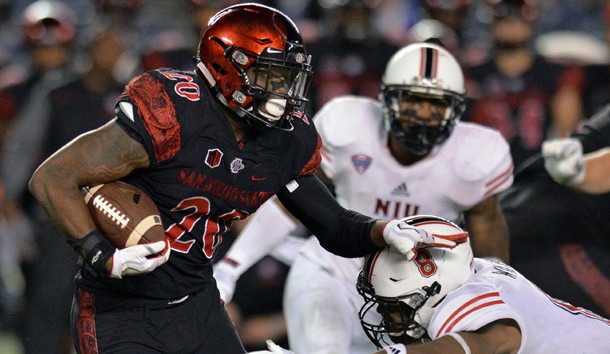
x=134, y=260
x=406, y=238
x=273, y=348
x=226, y=277
x=563, y=160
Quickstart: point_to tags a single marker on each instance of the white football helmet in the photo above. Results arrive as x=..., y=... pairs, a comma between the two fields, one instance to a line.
x=406, y=292
x=422, y=70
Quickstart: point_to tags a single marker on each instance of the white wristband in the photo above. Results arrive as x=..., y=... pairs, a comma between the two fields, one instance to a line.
x=460, y=341
x=396, y=349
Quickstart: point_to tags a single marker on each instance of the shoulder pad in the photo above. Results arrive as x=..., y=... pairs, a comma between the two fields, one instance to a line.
x=479, y=152
x=341, y=120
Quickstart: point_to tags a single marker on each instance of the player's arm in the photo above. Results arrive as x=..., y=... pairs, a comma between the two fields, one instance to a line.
x=499, y=337
x=596, y=170
x=345, y=232
x=99, y=156
x=102, y=155
x=489, y=233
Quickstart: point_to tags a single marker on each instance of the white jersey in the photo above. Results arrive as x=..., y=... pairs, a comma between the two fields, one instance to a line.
x=496, y=291
x=473, y=164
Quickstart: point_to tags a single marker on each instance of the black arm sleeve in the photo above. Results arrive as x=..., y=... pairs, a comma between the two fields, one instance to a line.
x=595, y=134
x=343, y=232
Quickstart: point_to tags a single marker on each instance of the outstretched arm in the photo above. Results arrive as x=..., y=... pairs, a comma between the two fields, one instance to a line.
x=340, y=231
x=596, y=170
x=499, y=337
x=348, y=233
x=565, y=162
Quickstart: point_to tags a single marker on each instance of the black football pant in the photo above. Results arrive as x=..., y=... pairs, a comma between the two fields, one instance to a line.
x=198, y=324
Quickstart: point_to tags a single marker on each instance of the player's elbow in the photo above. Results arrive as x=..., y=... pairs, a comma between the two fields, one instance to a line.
x=38, y=182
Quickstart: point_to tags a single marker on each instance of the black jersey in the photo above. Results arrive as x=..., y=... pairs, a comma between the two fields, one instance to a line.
x=200, y=177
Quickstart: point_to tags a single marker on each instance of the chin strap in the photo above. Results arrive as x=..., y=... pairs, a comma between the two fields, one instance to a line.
x=210, y=79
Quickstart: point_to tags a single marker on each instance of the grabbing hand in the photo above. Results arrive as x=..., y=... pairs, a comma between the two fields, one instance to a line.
x=563, y=160
x=406, y=238
x=226, y=276
x=133, y=260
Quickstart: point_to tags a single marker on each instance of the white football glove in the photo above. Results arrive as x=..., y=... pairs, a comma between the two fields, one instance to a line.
x=226, y=276
x=564, y=161
x=133, y=260
x=273, y=348
x=406, y=238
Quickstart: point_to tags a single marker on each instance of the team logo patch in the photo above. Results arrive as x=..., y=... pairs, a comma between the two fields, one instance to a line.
x=361, y=162
x=237, y=165
x=213, y=158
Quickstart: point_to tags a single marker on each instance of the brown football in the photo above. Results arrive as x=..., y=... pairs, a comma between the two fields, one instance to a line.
x=124, y=214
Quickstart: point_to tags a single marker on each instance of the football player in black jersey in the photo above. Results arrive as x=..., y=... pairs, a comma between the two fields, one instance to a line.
x=209, y=147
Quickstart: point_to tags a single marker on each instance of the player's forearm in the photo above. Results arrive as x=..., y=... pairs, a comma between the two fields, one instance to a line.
x=486, y=223
x=343, y=232
x=61, y=199
x=377, y=233
x=595, y=179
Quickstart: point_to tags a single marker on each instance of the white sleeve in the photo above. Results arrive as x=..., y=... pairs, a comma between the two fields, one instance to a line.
x=269, y=226
x=470, y=308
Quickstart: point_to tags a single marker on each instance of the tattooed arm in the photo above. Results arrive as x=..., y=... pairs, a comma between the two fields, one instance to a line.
x=99, y=156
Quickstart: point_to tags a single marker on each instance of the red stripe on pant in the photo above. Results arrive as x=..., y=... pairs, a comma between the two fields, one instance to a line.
x=583, y=272
x=87, y=341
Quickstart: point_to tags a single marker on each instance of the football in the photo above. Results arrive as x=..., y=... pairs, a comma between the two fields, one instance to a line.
x=124, y=214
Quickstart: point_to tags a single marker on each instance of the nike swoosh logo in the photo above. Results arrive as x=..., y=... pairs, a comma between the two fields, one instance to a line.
x=257, y=179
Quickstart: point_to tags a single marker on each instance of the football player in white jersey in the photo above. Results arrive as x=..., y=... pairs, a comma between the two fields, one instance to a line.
x=455, y=303
x=406, y=154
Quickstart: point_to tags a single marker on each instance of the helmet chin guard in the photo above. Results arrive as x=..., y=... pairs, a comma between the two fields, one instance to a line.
x=253, y=58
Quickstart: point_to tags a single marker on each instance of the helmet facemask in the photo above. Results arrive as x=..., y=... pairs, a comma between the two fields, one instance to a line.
x=277, y=89
x=422, y=71
x=421, y=133
x=399, y=322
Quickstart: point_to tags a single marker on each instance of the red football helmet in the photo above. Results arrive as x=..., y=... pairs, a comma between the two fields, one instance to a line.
x=254, y=60
x=48, y=22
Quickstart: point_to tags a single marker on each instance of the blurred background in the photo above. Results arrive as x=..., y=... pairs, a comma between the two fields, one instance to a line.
x=63, y=63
